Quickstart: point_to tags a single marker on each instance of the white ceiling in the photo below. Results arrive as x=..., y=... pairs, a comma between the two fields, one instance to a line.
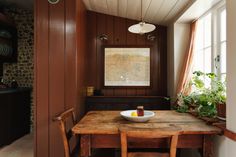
x=197, y=9
x=154, y=11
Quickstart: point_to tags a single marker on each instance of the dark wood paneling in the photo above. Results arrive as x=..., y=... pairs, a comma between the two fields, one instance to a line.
x=110, y=32
x=81, y=36
x=117, y=30
x=70, y=59
x=60, y=52
x=110, y=29
x=101, y=29
x=163, y=56
x=92, y=49
x=126, y=102
x=155, y=60
x=41, y=95
x=56, y=74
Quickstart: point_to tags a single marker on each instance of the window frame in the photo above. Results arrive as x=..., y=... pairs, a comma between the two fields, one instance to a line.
x=218, y=59
x=215, y=37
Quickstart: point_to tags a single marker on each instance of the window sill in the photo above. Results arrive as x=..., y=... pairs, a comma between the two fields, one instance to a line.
x=220, y=124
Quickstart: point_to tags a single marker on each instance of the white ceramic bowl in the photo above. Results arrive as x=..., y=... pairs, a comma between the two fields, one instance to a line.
x=147, y=115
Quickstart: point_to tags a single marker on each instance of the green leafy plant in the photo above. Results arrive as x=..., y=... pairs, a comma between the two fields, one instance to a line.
x=207, y=92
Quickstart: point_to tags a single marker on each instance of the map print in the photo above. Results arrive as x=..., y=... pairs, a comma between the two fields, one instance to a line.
x=127, y=67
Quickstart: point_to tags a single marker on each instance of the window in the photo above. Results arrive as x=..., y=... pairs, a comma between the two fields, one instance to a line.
x=221, y=69
x=203, y=45
x=210, y=43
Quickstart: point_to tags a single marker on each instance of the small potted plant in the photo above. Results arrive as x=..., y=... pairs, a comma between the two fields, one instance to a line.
x=207, y=98
x=219, y=94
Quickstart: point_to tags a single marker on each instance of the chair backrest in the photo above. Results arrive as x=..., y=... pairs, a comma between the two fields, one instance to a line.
x=67, y=116
x=126, y=132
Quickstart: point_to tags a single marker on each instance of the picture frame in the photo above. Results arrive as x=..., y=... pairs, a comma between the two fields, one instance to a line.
x=127, y=66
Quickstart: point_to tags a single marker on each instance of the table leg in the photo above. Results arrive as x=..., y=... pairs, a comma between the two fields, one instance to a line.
x=85, y=145
x=208, y=146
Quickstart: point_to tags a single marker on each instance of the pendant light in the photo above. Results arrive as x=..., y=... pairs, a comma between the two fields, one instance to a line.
x=142, y=27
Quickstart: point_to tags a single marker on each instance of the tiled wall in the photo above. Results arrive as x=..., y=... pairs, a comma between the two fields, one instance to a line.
x=22, y=71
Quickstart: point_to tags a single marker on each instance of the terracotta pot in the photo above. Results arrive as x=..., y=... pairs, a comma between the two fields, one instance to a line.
x=221, y=110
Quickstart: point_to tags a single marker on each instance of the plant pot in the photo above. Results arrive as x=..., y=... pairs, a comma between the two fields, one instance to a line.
x=221, y=111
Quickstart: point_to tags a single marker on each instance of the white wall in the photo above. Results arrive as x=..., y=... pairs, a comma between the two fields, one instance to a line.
x=231, y=74
x=225, y=147
x=178, y=39
x=231, y=64
x=181, y=44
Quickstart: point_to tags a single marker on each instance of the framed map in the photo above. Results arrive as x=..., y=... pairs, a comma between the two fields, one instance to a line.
x=126, y=67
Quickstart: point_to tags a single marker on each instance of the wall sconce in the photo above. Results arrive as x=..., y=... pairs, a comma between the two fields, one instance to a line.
x=151, y=37
x=103, y=37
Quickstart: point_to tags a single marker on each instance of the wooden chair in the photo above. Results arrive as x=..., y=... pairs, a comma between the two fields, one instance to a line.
x=67, y=117
x=127, y=132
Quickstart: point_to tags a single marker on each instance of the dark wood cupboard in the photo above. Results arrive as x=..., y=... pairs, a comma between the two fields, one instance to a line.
x=126, y=102
x=14, y=114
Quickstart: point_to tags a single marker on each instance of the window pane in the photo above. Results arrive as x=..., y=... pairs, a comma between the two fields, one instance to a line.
x=223, y=77
x=207, y=30
x=207, y=60
x=198, y=61
x=223, y=25
x=207, y=82
x=199, y=36
x=223, y=58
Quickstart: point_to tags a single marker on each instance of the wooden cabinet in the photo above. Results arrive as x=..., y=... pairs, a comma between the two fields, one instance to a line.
x=14, y=114
x=126, y=102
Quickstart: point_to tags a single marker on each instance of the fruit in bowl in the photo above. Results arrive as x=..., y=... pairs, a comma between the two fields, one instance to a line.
x=132, y=115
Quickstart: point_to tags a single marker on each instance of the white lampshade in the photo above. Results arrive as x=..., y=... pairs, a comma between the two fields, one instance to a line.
x=142, y=28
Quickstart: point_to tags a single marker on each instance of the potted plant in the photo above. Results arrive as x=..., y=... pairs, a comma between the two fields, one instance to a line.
x=219, y=93
x=208, y=95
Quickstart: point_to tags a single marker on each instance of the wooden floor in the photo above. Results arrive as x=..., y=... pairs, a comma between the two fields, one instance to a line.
x=23, y=147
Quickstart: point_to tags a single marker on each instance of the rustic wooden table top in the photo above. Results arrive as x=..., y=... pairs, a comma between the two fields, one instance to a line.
x=108, y=122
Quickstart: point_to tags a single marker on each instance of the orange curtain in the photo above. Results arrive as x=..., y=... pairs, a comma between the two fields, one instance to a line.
x=185, y=74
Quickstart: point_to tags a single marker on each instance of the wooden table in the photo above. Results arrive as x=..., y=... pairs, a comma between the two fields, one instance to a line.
x=99, y=129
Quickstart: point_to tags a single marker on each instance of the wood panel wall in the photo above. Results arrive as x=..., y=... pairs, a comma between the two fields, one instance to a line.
x=117, y=30
x=59, y=63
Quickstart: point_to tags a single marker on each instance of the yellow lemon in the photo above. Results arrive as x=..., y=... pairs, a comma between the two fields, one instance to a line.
x=134, y=114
